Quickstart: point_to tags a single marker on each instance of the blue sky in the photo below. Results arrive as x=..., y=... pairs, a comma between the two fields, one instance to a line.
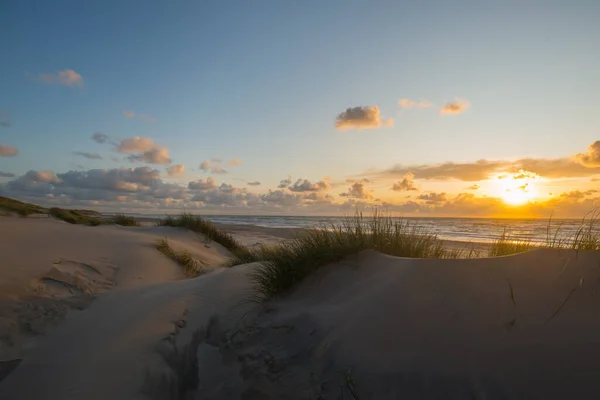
x=264, y=81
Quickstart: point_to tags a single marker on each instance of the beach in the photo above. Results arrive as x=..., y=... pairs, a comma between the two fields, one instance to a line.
x=96, y=312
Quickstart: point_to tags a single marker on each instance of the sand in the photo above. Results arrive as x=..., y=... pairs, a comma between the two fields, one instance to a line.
x=49, y=268
x=369, y=327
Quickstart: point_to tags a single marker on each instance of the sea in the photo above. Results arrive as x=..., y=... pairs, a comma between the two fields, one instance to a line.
x=460, y=229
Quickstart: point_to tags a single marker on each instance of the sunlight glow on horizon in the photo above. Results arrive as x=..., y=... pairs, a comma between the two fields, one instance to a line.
x=518, y=188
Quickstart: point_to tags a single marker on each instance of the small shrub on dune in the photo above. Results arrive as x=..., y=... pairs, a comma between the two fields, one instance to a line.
x=125, y=220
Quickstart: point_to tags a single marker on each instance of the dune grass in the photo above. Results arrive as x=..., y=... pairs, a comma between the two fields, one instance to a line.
x=78, y=217
x=285, y=265
x=23, y=209
x=190, y=265
x=584, y=237
x=506, y=245
x=207, y=228
x=125, y=220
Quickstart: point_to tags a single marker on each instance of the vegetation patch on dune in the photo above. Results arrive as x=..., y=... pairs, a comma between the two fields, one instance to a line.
x=190, y=265
x=72, y=216
x=19, y=207
x=207, y=228
x=77, y=217
x=125, y=220
x=285, y=265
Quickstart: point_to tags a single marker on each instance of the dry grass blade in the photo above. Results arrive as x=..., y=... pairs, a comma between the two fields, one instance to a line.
x=512, y=293
x=561, y=305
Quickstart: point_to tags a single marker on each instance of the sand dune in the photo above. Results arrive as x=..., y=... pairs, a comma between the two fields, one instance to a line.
x=369, y=327
x=49, y=268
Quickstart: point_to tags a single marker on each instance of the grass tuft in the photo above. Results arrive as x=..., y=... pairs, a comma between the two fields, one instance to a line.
x=125, y=220
x=205, y=227
x=505, y=245
x=584, y=237
x=285, y=265
x=190, y=265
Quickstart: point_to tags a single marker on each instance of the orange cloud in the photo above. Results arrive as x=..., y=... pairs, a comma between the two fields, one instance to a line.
x=368, y=117
x=455, y=107
x=213, y=167
x=136, y=144
x=176, y=170
x=591, y=158
x=408, y=103
x=66, y=77
x=147, y=151
x=8, y=151
x=357, y=191
x=433, y=198
x=567, y=167
x=406, y=184
x=304, y=185
x=234, y=162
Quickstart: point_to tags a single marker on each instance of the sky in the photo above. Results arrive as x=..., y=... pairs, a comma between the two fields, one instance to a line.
x=429, y=108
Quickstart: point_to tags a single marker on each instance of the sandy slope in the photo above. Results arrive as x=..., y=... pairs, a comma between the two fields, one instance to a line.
x=49, y=267
x=370, y=327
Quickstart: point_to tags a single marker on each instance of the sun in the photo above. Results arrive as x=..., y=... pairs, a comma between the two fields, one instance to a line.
x=518, y=188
